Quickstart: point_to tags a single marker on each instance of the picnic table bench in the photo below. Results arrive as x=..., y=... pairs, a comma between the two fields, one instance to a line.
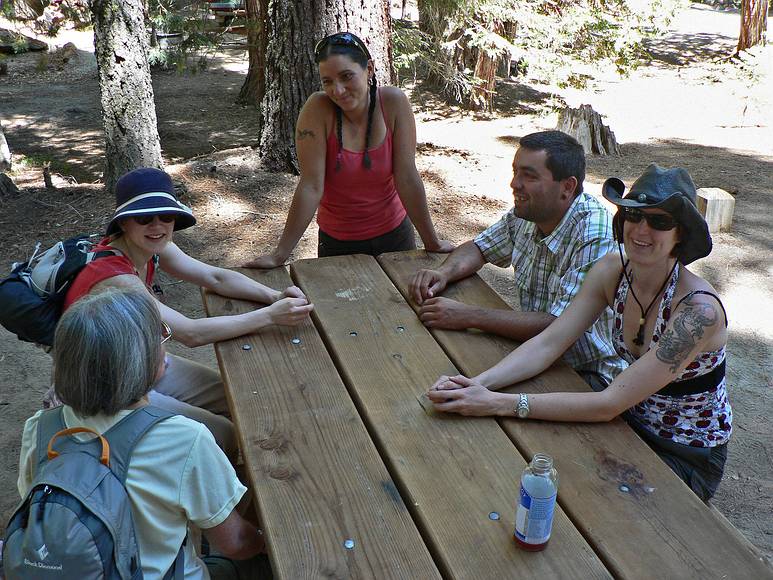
x=356, y=476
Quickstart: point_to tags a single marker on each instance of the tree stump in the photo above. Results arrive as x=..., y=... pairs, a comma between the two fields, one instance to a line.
x=717, y=206
x=584, y=124
x=5, y=152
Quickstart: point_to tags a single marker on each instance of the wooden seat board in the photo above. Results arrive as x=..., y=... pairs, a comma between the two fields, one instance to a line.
x=316, y=475
x=452, y=472
x=640, y=517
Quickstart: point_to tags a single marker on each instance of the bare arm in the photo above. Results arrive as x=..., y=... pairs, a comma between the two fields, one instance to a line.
x=538, y=353
x=236, y=538
x=198, y=331
x=409, y=185
x=220, y=280
x=311, y=147
x=451, y=314
x=694, y=325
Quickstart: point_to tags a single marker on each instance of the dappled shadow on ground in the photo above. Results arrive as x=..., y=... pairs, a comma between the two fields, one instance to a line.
x=682, y=49
x=511, y=98
x=63, y=123
x=514, y=98
x=194, y=120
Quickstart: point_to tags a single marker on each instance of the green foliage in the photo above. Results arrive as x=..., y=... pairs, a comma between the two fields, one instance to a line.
x=8, y=9
x=19, y=44
x=550, y=38
x=185, y=44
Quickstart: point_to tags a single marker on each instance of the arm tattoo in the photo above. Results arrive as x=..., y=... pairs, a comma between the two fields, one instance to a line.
x=679, y=340
x=303, y=133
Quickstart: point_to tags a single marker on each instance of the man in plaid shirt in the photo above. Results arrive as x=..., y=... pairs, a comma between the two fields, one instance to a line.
x=552, y=236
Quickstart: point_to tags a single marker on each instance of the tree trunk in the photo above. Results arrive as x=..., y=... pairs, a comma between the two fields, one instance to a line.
x=254, y=87
x=126, y=92
x=291, y=74
x=754, y=23
x=5, y=152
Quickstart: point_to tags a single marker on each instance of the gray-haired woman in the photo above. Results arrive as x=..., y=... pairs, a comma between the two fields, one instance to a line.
x=108, y=351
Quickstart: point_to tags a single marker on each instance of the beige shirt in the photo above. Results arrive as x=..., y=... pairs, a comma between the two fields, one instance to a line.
x=177, y=474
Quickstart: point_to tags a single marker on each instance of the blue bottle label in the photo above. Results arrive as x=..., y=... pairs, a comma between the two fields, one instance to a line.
x=534, y=518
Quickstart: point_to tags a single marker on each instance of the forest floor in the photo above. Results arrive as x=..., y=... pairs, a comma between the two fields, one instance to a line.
x=690, y=106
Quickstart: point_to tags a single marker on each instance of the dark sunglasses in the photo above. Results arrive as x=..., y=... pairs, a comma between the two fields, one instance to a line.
x=656, y=221
x=340, y=39
x=144, y=220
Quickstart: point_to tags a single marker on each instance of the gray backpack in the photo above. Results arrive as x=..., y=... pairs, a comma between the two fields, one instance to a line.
x=76, y=520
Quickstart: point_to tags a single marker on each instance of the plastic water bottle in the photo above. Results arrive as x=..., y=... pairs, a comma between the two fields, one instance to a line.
x=537, y=502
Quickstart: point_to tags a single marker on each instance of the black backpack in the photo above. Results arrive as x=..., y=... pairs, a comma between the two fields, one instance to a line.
x=31, y=297
x=76, y=521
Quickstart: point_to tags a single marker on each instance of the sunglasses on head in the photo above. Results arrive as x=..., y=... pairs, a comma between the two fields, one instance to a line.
x=656, y=221
x=166, y=332
x=144, y=220
x=340, y=39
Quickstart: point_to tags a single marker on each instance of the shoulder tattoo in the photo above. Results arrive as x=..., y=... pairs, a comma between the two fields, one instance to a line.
x=303, y=133
x=688, y=327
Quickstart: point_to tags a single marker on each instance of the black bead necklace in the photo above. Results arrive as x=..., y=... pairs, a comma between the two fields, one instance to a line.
x=639, y=340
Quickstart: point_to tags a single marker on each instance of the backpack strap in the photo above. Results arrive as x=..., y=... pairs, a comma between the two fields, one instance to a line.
x=689, y=294
x=49, y=424
x=177, y=571
x=124, y=436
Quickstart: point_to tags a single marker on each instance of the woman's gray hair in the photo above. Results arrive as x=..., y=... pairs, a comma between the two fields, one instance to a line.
x=107, y=351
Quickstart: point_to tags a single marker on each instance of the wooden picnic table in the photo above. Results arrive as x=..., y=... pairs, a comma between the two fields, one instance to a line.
x=356, y=476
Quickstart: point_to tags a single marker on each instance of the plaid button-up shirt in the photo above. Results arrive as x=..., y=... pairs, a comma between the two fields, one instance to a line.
x=550, y=269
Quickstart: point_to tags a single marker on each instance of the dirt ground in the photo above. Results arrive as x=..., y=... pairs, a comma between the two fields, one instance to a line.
x=690, y=106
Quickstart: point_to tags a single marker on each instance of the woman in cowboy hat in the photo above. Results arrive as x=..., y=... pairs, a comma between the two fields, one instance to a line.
x=669, y=326
x=141, y=229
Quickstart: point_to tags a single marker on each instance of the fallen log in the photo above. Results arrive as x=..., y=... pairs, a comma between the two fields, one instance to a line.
x=15, y=42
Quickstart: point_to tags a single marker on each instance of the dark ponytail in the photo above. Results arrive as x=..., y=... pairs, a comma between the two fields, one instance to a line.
x=339, y=136
x=371, y=108
x=373, y=90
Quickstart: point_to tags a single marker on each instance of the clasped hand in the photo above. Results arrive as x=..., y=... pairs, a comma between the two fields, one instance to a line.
x=461, y=395
x=290, y=308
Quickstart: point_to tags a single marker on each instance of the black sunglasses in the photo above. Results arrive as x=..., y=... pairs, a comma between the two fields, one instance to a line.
x=340, y=39
x=144, y=220
x=656, y=221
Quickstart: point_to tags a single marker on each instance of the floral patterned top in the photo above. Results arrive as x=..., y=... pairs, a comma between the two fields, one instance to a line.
x=702, y=419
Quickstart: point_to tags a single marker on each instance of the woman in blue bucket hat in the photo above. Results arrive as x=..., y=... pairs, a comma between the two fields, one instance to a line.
x=146, y=216
x=669, y=326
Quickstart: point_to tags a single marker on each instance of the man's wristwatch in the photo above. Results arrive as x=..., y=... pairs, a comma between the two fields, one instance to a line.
x=522, y=406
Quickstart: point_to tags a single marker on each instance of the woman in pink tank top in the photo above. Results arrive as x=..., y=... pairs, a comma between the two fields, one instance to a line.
x=357, y=163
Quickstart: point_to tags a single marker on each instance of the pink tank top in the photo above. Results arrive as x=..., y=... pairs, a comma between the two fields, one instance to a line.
x=359, y=203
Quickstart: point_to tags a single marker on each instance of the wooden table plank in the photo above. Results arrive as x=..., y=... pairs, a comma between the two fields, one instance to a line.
x=658, y=528
x=452, y=472
x=317, y=477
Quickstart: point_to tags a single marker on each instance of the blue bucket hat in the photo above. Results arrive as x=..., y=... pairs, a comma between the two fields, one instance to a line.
x=148, y=191
x=673, y=191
